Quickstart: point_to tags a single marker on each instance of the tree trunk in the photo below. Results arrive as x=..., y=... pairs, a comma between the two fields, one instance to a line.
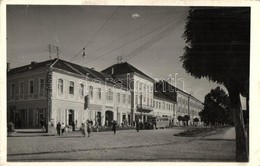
x=241, y=136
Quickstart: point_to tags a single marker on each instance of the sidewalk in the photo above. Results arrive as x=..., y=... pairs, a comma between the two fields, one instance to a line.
x=30, y=133
x=225, y=134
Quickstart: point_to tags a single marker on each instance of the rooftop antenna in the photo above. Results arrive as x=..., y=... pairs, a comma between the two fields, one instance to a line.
x=119, y=59
x=53, y=48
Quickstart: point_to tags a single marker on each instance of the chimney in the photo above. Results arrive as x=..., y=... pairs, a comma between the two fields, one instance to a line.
x=93, y=68
x=112, y=71
x=8, y=66
x=33, y=62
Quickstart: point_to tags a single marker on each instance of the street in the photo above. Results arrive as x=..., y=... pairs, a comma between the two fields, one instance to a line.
x=146, y=145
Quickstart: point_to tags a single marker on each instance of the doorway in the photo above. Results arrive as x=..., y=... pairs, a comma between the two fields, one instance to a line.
x=71, y=117
x=109, y=117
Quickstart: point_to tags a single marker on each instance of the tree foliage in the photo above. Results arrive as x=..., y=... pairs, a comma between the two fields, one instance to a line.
x=216, y=108
x=186, y=118
x=218, y=47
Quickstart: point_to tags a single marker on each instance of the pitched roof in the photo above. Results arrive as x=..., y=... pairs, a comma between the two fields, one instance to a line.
x=163, y=91
x=123, y=68
x=169, y=89
x=65, y=66
x=31, y=67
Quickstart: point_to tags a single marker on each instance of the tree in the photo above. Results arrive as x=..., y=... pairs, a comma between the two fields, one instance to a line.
x=180, y=118
x=216, y=108
x=186, y=118
x=218, y=47
x=196, y=120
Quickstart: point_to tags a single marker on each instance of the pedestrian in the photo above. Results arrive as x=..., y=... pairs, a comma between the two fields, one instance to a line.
x=42, y=125
x=73, y=126
x=83, y=127
x=114, y=125
x=9, y=128
x=58, y=127
x=88, y=128
x=63, y=128
x=137, y=125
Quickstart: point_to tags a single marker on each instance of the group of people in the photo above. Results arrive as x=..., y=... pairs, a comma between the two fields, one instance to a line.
x=61, y=129
x=87, y=128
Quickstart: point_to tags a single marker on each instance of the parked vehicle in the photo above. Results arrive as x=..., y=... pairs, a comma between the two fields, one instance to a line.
x=157, y=122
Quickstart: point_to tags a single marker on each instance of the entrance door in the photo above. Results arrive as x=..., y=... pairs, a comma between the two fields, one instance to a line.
x=99, y=118
x=109, y=117
x=71, y=117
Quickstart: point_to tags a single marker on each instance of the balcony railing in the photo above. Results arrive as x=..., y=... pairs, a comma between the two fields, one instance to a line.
x=144, y=108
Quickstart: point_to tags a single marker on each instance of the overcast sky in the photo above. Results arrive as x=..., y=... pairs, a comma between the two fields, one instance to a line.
x=149, y=38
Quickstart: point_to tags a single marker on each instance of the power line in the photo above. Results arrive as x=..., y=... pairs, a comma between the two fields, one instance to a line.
x=146, y=34
x=136, y=29
x=152, y=41
x=98, y=32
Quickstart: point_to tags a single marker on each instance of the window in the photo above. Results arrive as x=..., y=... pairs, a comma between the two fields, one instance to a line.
x=148, y=100
x=163, y=105
x=31, y=85
x=109, y=95
x=137, y=83
x=60, y=86
x=91, y=91
x=159, y=105
x=124, y=98
x=136, y=99
x=81, y=91
x=41, y=86
x=129, y=99
x=12, y=91
x=71, y=88
x=140, y=86
x=156, y=104
x=144, y=99
x=99, y=93
x=144, y=88
x=118, y=97
x=21, y=89
x=153, y=103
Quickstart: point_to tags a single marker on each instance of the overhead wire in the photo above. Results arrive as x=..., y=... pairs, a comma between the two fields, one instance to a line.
x=98, y=32
x=144, y=35
x=151, y=41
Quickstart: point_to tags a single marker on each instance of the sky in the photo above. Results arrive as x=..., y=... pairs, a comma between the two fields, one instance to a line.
x=149, y=38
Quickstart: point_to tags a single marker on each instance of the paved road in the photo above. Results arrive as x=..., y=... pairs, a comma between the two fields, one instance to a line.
x=159, y=145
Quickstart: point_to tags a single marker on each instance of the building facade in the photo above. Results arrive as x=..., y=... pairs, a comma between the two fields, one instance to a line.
x=60, y=91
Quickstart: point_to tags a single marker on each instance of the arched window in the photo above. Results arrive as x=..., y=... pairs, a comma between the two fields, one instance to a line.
x=81, y=91
x=91, y=91
x=71, y=88
x=60, y=85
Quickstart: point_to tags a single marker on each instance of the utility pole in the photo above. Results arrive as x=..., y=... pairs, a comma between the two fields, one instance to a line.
x=53, y=48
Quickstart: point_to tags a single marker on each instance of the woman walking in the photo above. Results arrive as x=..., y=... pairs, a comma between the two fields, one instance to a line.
x=88, y=127
x=83, y=125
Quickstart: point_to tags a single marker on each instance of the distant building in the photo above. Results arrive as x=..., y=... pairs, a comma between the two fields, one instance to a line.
x=59, y=91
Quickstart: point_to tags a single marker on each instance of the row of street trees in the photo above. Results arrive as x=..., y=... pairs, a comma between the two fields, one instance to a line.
x=186, y=119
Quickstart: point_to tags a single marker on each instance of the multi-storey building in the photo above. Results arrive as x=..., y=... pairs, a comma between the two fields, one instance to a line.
x=139, y=84
x=60, y=91
x=70, y=92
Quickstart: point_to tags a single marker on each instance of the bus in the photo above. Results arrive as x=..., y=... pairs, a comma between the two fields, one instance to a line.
x=157, y=122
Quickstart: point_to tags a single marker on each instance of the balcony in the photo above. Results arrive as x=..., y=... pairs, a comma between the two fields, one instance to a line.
x=144, y=108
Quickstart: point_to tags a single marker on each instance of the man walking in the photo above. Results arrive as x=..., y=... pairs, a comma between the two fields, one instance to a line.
x=114, y=125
